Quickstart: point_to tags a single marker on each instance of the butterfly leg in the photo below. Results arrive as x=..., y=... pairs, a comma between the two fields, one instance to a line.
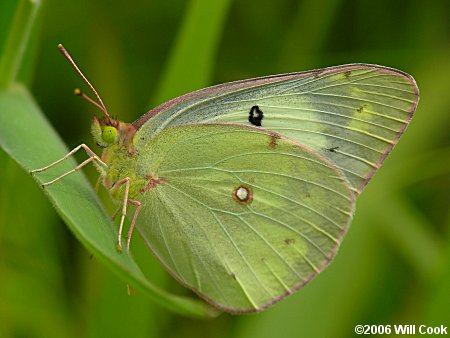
x=125, y=181
x=92, y=157
x=126, y=201
x=133, y=222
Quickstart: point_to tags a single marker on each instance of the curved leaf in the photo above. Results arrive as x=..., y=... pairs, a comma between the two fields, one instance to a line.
x=29, y=139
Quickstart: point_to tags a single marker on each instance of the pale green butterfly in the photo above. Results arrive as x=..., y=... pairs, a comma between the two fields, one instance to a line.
x=245, y=190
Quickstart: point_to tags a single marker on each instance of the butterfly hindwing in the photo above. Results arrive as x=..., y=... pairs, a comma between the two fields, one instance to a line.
x=241, y=215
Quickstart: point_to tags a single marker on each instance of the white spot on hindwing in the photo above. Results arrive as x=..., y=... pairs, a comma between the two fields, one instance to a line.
x=243, y=194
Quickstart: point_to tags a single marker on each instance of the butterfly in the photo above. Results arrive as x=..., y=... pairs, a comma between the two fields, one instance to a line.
x=245, y=190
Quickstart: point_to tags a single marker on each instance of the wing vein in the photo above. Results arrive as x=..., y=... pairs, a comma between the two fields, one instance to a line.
x=205, y=266
x=211, y=210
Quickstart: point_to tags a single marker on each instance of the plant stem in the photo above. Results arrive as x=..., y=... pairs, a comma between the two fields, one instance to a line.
x=17, y=41
x=191, y=61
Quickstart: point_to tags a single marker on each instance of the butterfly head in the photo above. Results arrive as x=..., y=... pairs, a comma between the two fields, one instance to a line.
x=108, y=132
x=105, y=131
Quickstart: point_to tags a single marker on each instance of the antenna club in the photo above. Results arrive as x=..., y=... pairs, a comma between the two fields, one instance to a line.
x=77, y=92
x=60, y=46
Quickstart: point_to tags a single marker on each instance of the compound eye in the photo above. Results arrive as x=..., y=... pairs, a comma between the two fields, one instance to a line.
x=109, y=134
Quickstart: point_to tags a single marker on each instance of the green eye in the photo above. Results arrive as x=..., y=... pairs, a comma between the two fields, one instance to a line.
x=109, y=134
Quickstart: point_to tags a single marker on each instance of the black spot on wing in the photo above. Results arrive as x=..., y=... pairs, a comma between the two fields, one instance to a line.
x=289, y=241
x=256, y=115
x=333, y=149
x=361, y=108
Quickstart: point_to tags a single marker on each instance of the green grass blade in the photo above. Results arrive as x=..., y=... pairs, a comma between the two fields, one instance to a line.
x=191, y=61
x=29, y=139
x=311, y=34
x=17, y=41
x=7, y=10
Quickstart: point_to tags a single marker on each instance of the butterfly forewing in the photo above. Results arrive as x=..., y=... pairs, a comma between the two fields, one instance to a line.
x=242, y=216
x=351, y=114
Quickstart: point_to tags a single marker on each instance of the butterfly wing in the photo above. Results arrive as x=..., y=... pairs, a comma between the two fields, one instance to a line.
x=240, y=215
x=351, y=114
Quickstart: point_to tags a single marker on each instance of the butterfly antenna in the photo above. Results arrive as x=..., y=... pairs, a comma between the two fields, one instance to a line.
x=78, y=92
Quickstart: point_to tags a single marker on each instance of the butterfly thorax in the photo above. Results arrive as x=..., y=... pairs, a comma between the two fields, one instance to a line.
x=119, y=155
x=121, y=164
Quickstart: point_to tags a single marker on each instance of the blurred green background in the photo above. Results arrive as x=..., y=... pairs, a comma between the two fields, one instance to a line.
x=394, y=265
